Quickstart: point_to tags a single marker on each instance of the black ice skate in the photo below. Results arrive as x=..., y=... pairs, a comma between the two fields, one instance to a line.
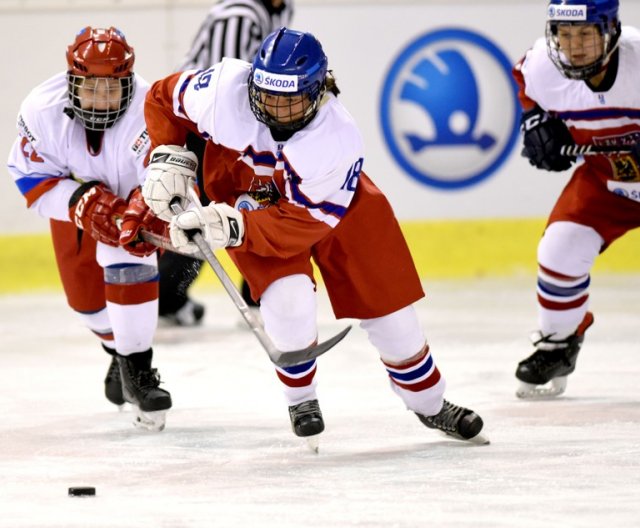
x=550, y=364
x=113, y=383
x=458, y=422
x=140, y=387
x=307, y=422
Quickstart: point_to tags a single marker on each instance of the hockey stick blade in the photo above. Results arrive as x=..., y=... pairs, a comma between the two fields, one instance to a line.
x=283, y=359
x=296, y=357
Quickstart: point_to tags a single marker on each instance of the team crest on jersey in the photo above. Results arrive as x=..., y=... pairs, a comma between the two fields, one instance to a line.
x=449, y=109
x=624, y=167
x=264, y=192
x=141, y=142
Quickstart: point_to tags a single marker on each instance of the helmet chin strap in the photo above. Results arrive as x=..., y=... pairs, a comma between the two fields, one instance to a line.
x=607, y=59
x=324, y=98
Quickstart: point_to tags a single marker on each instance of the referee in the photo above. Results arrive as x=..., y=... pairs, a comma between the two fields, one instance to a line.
x=233, y=28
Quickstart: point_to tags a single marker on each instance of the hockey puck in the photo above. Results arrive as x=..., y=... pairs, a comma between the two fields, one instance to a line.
x=82, y=492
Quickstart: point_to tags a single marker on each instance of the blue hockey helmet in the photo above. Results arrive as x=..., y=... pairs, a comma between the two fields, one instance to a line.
x=287, y=80
x=601, y=13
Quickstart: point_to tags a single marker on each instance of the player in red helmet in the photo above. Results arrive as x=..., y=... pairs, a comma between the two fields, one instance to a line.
x=100, y=75
x=78, y=160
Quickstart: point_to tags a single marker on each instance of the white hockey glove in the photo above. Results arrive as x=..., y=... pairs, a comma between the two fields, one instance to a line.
x=171, y=171
x=220, y=224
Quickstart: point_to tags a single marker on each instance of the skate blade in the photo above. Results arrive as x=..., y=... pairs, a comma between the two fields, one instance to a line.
x=313, y=443
x=530, y=391
x=150, y=421
x=479, y=439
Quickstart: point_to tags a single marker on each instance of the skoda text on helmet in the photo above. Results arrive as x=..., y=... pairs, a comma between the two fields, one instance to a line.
x=603, y=14
x=287, y=80
x=100, y=76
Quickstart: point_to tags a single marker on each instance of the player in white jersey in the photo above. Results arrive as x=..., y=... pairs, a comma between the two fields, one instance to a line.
x=235, y=29
x=286, y=153
x=578, y=86
x=79, y=160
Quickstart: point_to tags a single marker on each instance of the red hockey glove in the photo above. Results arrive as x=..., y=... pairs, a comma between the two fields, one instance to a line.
x=139, y=217
x=96, y=210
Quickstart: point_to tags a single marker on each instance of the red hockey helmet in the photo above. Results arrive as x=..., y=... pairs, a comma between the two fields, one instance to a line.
x=100, y=52
x=100, y=76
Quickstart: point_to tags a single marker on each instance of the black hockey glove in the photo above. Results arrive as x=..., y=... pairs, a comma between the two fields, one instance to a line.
x=543, y=137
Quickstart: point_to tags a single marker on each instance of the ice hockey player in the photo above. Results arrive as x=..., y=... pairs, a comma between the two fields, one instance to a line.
x=578, y=86
x=232, y=28
x=79, y=161
x=280, y=138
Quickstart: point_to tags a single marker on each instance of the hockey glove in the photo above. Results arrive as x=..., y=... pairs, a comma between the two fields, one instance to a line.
x=171, y=171
x=220, y=224
x=96, y=210
x=137, y=217
x=543, y=137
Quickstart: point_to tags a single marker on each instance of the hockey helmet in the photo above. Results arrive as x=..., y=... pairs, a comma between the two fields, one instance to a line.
x=100, y=76
x=603, y=14
x=287, y=80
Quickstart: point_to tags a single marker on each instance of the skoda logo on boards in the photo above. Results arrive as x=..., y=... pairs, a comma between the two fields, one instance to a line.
x=449, y=109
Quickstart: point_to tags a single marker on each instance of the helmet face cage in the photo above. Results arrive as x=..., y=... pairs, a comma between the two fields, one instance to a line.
x=98, y=102
x=287, y=112
x=100, y=76
x=578, y=17
x=287, y=80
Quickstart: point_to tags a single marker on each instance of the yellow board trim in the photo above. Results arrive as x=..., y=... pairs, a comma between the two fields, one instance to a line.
x=442, y=250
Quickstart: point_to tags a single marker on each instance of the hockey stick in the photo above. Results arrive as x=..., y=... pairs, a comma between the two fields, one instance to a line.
x=282, y=359
x=163, y=242
x=585, y=150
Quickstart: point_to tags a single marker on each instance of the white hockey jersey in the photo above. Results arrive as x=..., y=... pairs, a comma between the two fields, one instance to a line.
x=610, y=117
x=316, y=169
x=50, y=157
x=319, y=203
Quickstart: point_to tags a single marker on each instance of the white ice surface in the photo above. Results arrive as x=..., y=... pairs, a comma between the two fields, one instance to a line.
x=228, y=457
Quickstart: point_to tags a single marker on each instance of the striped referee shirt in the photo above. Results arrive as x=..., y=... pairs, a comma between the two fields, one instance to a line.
x=234, y=28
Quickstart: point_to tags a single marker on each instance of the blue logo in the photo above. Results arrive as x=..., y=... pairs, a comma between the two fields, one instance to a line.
x=449, y=109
